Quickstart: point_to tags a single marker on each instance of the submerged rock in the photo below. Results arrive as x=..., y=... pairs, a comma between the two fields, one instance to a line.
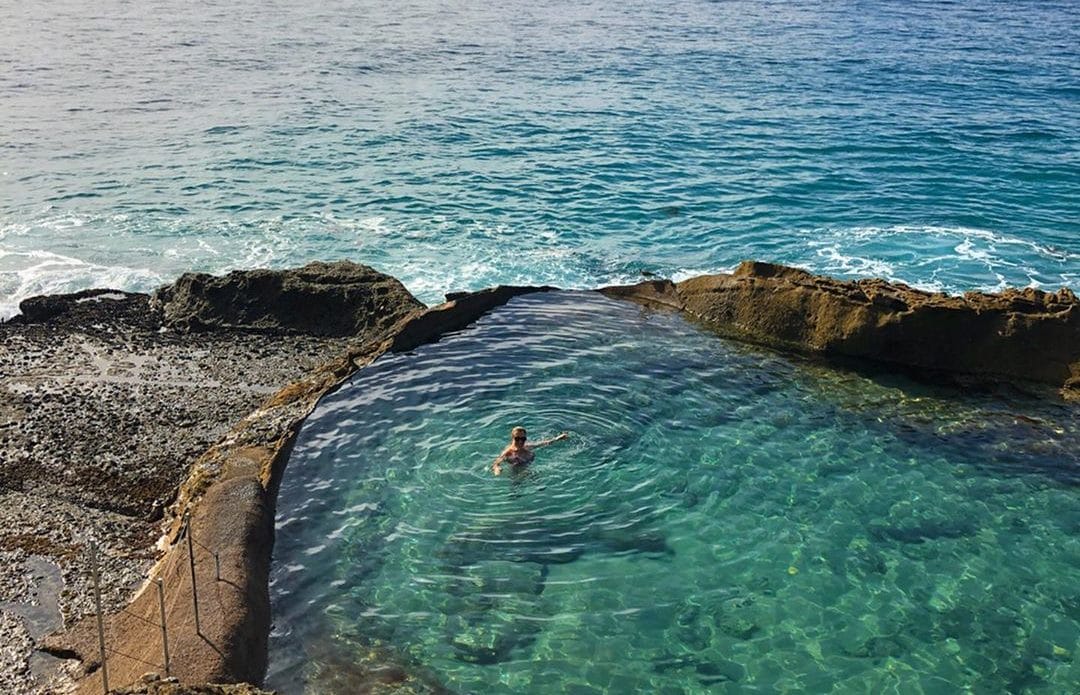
x=919, y=531
x=326, y=299
x=1015, y=335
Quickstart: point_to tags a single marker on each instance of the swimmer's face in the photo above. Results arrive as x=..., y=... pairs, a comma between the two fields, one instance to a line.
x=519, y=437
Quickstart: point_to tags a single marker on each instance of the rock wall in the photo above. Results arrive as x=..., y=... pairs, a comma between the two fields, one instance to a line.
x=1016, y=335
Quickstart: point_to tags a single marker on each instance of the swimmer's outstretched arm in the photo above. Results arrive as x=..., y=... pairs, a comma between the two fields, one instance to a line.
x=545, y=442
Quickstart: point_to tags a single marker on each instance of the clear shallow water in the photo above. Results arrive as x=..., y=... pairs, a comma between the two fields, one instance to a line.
x=572, y=143
x=722, y=519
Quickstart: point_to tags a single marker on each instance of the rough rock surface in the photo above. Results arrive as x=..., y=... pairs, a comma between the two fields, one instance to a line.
x=103, y=410
x=15, y=648
x=1015, y=335
x=153, y=684
x=329, y=299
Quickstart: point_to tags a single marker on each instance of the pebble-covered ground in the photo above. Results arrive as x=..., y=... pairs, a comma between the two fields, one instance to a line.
x=102, y=412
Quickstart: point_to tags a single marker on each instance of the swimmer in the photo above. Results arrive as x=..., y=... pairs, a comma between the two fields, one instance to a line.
x=517, y=453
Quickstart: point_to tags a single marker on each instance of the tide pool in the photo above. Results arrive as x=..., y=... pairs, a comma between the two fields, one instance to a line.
x=722, y=519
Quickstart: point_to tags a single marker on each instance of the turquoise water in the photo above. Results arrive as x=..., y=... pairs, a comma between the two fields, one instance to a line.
x=459, y=145
x=722, y=519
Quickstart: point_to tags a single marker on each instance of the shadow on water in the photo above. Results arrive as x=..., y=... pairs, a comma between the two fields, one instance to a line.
x=1004, y=429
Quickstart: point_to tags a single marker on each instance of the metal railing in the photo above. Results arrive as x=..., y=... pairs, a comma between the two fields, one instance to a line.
x=104, y=651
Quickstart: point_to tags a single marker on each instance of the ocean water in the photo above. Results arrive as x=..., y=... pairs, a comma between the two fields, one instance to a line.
x=722, y=519
x=459, y=145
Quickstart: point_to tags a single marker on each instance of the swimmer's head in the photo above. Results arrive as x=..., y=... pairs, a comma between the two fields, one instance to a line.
x=518, y=435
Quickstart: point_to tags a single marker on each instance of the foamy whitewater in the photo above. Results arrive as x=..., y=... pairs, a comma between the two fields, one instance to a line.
x=575, y=144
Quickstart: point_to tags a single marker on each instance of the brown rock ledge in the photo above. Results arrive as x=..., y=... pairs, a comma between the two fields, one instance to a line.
x=1017, y=335
x=324, y=299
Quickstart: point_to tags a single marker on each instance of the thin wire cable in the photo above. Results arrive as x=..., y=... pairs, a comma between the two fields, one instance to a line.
x=196, y=542
x=187, y=531
x=139, y=617
x=133, y=658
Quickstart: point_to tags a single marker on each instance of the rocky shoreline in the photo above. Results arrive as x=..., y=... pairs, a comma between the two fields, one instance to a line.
x=108, y=399
x=122, y=412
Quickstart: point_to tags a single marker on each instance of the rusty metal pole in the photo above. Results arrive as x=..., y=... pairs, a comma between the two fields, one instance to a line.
x=100, y=624
x=164, y=630
x=194, y=588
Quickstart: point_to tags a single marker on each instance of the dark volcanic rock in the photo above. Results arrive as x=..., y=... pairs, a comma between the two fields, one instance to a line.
x=1018, y=334
x=326, y=299
x=86, y=310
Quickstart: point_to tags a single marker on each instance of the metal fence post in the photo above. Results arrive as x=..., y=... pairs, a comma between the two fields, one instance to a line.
x=194, y=588
x=100, y=624
x=164, y=630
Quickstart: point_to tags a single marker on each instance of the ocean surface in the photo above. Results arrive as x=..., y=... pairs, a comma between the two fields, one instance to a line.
x=459, y=145
x=722, y=519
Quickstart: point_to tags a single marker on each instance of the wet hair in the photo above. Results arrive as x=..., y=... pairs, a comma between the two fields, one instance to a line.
x=516, y=431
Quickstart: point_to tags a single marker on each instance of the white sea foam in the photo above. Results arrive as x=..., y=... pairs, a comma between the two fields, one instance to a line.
x=969, y=237
x=97, y=298
x=851, y=264
x=376, y=225
x=933, y=258
x=205, y=246
x=687, y=273
x=438, y=255
x=50, y=223
x=28, y=273
x=936, y=258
